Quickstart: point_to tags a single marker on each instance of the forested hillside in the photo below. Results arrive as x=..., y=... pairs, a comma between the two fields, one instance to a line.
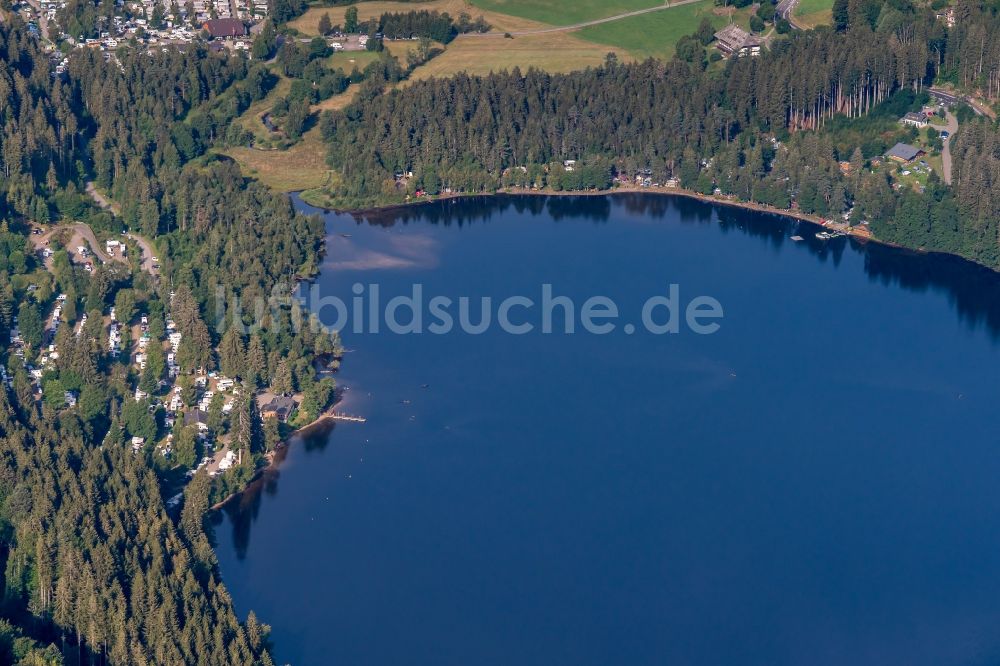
x=977, y=189
x=95, y=569
x=795, y=127
x=94, y=563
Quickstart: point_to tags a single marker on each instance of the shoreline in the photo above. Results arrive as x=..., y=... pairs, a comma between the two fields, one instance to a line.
x=626, y=189
x=275, y=457
x=855, y=232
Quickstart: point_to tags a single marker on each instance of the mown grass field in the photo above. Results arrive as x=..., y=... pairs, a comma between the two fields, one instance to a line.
x=811, y=13
x=348, y=60
x=301, y=167
x=655, y=34
x=308, y=23
x=552, y=52
x=337, y=102
x=564, y=12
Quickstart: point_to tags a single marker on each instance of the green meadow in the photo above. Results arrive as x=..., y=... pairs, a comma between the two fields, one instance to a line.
x=655, y=34
x=564, y=12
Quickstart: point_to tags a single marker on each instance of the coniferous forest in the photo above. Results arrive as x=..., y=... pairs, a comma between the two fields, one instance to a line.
x=95, y=569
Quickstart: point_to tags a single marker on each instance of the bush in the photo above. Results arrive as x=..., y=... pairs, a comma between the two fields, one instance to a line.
x=705, y=32
x=766, y=11
x=964, y=113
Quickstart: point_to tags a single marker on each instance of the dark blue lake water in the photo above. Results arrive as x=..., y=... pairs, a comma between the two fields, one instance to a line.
x=818, y=482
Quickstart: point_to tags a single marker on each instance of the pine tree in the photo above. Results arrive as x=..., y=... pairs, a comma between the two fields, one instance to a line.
x=351, y=20
x=841, y=15
x=324, y=24
x=256, y=361
x=281, y=384
x=232, y=355
x=242, y=425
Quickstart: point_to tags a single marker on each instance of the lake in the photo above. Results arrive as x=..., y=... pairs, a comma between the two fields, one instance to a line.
x=817, y=482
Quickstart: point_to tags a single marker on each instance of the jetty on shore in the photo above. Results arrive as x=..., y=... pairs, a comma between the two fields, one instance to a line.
x=340, y=416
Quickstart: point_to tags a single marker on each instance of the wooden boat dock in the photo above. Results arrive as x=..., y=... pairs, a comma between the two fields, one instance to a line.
x=340, y=416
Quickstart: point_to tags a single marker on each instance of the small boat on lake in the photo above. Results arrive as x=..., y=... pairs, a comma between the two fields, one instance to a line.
x=796, y=238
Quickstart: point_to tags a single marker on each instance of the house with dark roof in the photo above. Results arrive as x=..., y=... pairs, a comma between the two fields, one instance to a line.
x=196, y=418
x=904, y=153
x=734, y=40
x=918, y=120
x=280, y=407
x=225, y=28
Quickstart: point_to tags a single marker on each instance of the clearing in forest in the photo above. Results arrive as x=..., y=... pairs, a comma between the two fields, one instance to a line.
x=552, y=52
x=811, y=13
x=301, y=167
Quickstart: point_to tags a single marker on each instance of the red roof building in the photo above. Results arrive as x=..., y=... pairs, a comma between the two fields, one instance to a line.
x=224, y=28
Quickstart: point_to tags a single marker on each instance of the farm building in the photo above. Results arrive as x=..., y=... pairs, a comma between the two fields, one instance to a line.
x=904, y=153
x=734, y=40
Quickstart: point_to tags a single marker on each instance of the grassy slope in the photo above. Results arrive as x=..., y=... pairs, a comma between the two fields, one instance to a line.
x=811, y=13
x=337, y=102
x=656, y=34
x=564, y=12
x=553, y=52
x=348, y=60
x=301, y=167
x=251, y=118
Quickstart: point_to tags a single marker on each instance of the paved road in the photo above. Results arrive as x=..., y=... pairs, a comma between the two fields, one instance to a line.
x=944, y=96
x=951, y=128
x=981, y=109
x=585, y=24
x=953, y=98
x=100, y=199
x=786, y=10
x=145, y=246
